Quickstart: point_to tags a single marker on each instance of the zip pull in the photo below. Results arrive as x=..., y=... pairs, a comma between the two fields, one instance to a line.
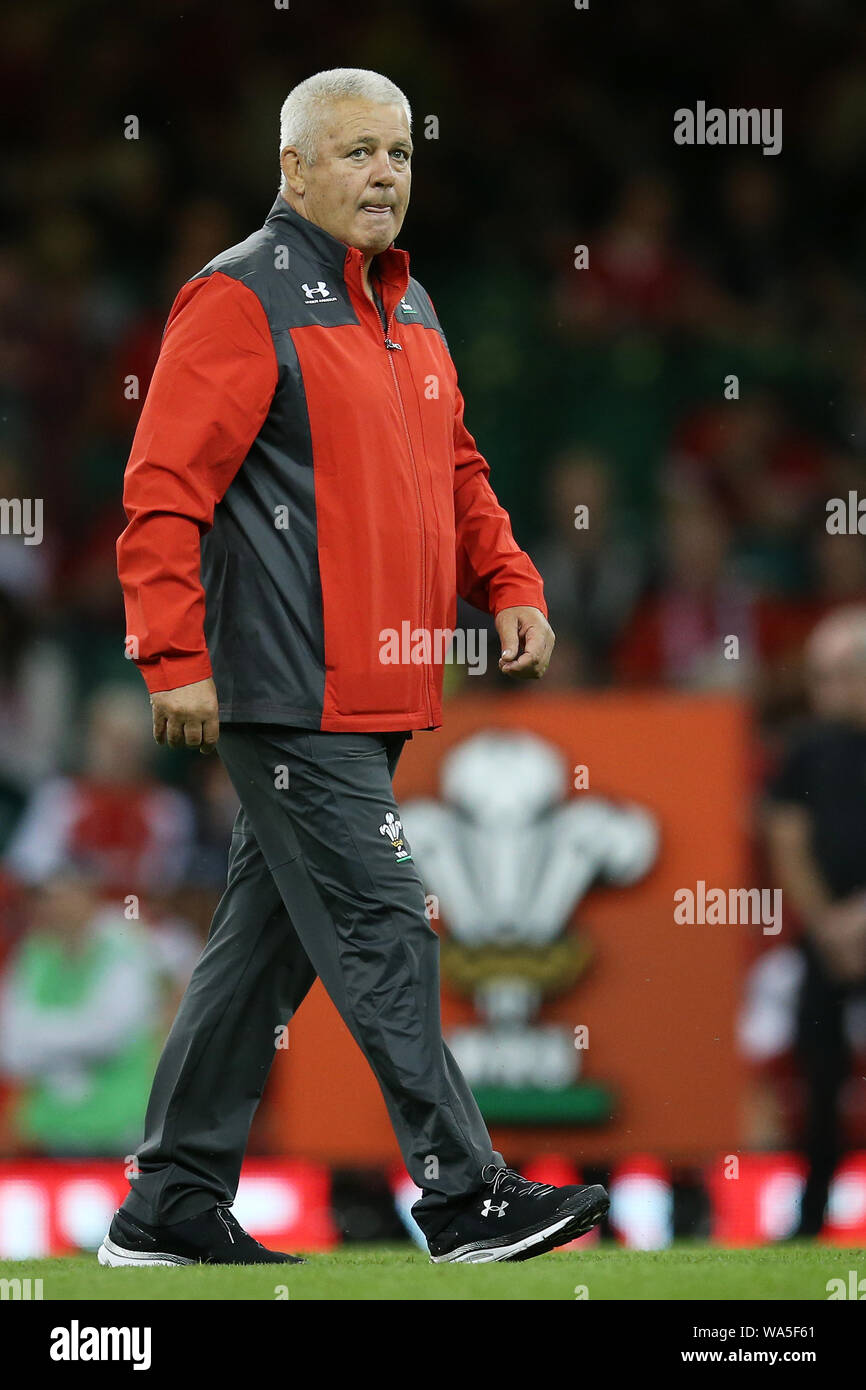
x=394, y=347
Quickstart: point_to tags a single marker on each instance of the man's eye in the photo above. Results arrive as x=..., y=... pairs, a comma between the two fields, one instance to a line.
x=401, y=154
x=358, y=151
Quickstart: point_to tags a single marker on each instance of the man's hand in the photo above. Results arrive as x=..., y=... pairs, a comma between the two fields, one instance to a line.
x=840, y=934
x=188, y=716
x=527, y=642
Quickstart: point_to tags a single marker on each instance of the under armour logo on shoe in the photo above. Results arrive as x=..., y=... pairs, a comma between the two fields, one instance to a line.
x=491, y=1206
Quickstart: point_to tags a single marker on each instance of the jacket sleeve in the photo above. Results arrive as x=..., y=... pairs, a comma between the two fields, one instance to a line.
x=210, y=393
x=492, y=571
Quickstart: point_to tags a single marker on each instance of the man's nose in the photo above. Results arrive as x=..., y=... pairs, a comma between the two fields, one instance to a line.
x=383, y=170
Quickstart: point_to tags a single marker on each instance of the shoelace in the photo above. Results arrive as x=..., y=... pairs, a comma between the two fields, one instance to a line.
x=510, y=1181
x=227, y=1219
x=232, y=1224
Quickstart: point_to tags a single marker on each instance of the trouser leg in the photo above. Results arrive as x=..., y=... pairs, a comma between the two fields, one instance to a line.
x=250, y=979
x=825, y=1059
x=319, y=805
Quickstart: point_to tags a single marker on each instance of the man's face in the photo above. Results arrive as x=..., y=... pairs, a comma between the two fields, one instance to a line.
x=358, y=188
x=836, y=676
x=66, y=904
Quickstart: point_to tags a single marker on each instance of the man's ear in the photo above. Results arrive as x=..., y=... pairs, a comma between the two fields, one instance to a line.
x=290, y=163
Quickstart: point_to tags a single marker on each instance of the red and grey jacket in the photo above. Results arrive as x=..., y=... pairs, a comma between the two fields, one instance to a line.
x=301, y=482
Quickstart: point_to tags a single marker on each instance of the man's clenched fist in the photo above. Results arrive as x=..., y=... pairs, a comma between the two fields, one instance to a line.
x=187, y=717
x=527, y=642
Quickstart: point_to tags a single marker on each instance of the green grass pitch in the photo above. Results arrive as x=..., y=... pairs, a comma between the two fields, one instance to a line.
x=382, y=1273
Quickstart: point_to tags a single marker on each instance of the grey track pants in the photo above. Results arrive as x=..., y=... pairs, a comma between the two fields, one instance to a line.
x=313, y=889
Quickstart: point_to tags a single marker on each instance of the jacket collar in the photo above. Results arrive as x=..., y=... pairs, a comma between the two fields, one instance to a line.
x=392, y=266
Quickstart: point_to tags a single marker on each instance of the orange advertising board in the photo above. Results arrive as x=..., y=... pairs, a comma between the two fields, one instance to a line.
x=552, y=833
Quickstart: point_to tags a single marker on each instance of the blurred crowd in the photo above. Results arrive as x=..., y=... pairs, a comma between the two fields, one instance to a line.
x=666, y=425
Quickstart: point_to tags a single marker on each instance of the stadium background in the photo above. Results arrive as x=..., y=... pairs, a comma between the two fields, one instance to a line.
x=603, y=386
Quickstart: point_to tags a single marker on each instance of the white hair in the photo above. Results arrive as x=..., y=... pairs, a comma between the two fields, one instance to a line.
x=303, y=108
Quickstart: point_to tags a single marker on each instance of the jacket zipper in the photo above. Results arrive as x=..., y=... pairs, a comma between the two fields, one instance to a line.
x=397, y=347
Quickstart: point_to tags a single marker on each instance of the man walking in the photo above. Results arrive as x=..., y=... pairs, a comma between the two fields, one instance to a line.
x=301, y=485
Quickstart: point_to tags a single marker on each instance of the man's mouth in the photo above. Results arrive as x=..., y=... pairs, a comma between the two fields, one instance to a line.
x=378, y=209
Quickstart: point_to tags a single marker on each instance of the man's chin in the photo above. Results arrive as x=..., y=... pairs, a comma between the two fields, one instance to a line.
x=372, y=241
x=368, y=247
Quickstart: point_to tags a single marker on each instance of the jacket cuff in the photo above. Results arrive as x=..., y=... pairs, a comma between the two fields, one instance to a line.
x=519, y=596
x=170, y=672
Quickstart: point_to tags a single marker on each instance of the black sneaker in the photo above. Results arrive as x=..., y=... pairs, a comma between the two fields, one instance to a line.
x=514, y=1219
x=215, y=1237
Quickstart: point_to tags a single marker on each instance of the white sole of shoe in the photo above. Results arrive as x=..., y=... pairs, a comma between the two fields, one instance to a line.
x=117, y=1257
x=468, y=1255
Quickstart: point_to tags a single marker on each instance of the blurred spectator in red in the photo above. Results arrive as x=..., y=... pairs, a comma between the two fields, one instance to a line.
x=593, y=569
x=763, y=475
x=753, y=248
x=35, y=697
x=636, y=274
x=679, y=633
x=25, y=570
x=201, y=227
x=216, y=805
x=103, y=427
x=138, y=831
